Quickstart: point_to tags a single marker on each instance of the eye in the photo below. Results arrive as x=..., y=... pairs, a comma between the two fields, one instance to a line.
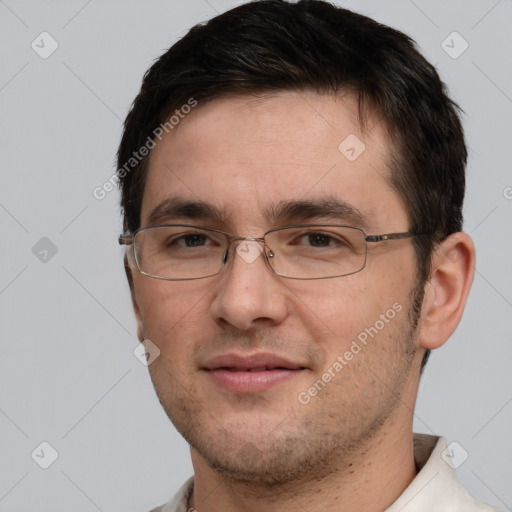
x=170, y=239
x=319, y=239
x=189, y=240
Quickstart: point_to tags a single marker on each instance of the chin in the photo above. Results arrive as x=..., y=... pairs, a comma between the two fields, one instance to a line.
x=262, y=457
x=259, y=465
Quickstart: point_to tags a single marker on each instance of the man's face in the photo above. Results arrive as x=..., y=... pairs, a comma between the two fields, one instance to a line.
x=244, y=156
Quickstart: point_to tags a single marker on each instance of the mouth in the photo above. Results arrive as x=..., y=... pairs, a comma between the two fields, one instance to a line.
x=251, y=374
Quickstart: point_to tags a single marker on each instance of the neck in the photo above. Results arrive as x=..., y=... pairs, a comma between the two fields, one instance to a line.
x=370, y=478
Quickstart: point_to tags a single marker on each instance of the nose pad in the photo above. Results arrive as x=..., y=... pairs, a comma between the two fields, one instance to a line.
x=265, y=251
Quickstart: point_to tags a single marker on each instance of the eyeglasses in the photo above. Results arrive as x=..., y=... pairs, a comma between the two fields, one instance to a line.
x=180, y=252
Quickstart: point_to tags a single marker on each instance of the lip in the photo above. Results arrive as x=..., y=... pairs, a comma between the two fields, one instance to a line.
x=253, y=373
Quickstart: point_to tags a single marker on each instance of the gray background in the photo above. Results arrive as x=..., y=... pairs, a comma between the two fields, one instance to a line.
x=67, y=372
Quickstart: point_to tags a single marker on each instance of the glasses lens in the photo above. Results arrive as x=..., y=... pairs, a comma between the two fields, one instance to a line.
x=314, y=252
x=179, y=252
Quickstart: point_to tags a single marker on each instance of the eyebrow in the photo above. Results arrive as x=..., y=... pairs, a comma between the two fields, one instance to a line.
x=174, y=208
x=308, y=211
x=301, y=211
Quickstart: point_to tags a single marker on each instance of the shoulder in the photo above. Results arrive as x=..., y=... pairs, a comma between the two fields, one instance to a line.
x=179, y=502
x=435, y=488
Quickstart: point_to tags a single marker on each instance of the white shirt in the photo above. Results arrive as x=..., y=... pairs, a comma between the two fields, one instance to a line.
x=434, y=489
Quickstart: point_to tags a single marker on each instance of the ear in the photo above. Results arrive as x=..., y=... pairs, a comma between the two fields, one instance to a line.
x=446, y=292
x=136, y=310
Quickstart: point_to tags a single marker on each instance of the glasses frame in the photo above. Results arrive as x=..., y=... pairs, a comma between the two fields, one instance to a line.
x=129, y=239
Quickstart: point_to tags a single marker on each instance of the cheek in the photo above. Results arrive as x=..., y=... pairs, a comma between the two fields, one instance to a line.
x=351, y=308
x=334, y=311
x=171, y=310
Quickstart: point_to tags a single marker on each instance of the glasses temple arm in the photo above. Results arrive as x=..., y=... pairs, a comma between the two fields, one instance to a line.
x=389, y=236
x=125, y=239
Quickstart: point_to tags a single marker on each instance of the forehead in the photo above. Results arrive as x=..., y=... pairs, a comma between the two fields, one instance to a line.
x=246, y=155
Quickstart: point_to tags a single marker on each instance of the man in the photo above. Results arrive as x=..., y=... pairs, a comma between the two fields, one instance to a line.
x=292, y=182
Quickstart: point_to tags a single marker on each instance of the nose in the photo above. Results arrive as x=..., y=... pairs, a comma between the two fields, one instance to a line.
x=249, y=294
